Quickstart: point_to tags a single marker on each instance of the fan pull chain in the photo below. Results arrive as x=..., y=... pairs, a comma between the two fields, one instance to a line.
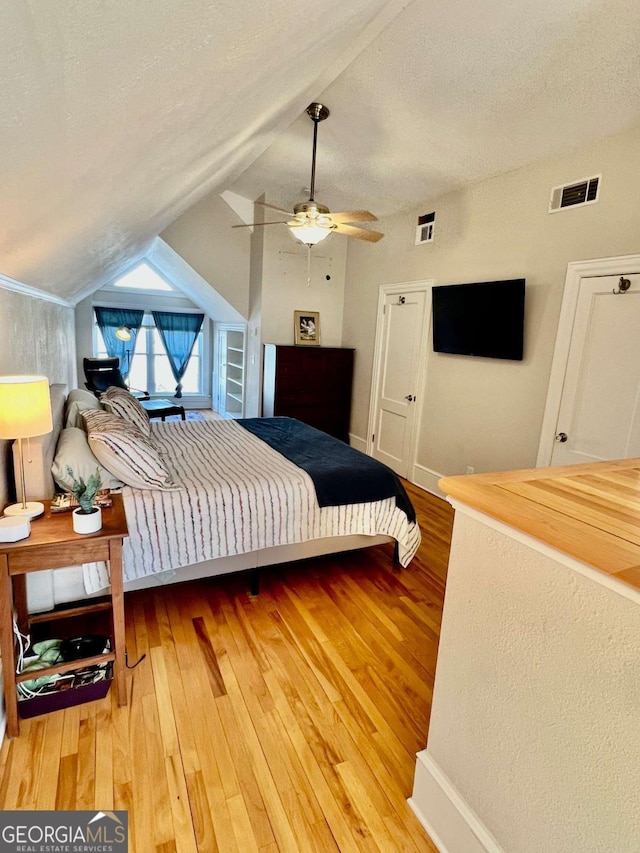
x=308, y=265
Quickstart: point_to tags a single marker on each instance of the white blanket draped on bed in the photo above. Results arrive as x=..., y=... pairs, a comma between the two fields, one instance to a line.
x=238, y=495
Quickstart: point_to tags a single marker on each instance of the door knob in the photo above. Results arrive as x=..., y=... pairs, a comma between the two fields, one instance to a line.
x=410, y=398
x=562, y=437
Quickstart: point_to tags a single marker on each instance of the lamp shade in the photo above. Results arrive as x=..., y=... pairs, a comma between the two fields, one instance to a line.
x=123, y=333
x=25, y=406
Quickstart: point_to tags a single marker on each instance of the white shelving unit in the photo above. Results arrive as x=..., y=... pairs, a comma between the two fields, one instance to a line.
x=231, y=370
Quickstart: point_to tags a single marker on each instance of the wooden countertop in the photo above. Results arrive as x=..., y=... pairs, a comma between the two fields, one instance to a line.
x=591, y=511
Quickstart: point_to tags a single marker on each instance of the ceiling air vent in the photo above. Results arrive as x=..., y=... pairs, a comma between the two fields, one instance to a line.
x=424, y=231
x=575, y=194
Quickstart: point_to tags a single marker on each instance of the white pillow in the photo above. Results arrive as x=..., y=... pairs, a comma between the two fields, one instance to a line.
x=122, y=403
x=126, y=452
x=81, y=394
x=77, y=401
x=73, y=451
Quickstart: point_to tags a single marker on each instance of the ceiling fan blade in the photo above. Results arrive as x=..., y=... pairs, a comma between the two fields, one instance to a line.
x=353, y=216
x=359, y=233
x=257, y=224
x=274, y=207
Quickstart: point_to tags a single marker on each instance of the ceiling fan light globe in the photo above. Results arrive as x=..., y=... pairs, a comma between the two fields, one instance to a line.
x=309, y=234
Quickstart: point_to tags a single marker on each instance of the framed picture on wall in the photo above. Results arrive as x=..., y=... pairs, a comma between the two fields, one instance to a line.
x=306, y=328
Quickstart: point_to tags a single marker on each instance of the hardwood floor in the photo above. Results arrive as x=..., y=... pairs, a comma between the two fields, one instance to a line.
x=285, y=722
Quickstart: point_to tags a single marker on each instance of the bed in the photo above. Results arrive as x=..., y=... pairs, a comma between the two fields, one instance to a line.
x=234, y=502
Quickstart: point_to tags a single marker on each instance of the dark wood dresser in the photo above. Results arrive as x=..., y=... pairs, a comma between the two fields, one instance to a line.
x=312, y=384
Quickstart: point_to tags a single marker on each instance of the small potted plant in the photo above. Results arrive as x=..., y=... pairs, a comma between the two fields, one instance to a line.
x=87, y=518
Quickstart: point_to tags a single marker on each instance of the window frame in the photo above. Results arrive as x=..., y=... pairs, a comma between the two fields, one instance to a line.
x=148, y=328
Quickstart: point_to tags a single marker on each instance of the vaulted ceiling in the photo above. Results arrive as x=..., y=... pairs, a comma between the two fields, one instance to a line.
x=116, y=117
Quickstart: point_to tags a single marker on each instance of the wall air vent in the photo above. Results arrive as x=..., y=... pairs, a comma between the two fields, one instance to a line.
x=576, y=194
x=425, y=228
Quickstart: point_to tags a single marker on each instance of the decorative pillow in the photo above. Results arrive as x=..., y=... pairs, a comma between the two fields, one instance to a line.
x=77, y=401
x=73, y=451
x=77, y=395
x=115, y=391
x=122, y=403
x=101, y=419
x=126, y=452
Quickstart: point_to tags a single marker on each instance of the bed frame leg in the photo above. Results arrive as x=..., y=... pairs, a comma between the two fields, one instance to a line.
x=396, y=555
x=254, y=581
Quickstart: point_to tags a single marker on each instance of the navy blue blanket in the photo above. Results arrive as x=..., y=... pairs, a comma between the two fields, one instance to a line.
x=340, y=473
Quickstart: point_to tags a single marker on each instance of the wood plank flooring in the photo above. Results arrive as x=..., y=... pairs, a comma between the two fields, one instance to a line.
x=285, y=722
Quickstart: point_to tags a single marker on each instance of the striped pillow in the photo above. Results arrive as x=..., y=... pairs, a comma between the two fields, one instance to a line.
x=99, y=419
x=122, y=403
x=126, y=452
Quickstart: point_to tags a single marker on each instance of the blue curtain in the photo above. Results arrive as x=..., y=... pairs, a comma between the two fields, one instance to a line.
x=178, y=333
x=109, y=321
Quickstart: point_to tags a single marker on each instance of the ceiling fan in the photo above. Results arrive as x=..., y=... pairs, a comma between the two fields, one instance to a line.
x=311, y=221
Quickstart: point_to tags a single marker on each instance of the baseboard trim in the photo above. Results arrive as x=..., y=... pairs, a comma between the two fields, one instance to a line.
x=450, y=822
x=427, y=479
x=357, y=442
x=421, y=476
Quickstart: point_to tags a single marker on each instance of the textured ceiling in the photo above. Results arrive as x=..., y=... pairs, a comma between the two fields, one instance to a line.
x=115, y=117
x=453, y=92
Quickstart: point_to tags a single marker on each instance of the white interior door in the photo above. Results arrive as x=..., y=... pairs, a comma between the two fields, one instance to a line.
x=399, y=353
x=599, y=415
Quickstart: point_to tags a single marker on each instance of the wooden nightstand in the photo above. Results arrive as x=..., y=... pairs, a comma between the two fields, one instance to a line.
x=52, y=545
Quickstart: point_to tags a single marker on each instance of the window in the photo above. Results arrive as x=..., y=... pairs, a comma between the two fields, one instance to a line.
x=143, y=277
x=150, y=368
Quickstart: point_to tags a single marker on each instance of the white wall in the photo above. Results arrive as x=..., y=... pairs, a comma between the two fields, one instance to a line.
x=534, y=719
x=203, y=236
x=483, y=412
x=285, y=288
x=253, y=349
x=38, y=337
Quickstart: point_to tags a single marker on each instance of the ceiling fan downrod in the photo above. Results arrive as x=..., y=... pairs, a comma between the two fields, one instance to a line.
x=317, y=113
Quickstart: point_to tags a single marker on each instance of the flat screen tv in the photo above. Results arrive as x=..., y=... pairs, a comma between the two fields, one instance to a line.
x=482, y=319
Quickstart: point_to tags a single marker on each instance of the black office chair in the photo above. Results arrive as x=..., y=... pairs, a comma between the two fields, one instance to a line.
x=102, y=373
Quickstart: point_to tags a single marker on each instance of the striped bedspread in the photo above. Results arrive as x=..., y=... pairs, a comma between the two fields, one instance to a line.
x=238, y=495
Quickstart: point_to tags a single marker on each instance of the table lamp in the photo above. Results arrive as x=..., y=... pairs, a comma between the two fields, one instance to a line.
x=25, y=412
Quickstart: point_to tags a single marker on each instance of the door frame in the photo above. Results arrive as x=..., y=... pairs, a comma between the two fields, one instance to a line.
x=576, y=271
x=389, y=290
